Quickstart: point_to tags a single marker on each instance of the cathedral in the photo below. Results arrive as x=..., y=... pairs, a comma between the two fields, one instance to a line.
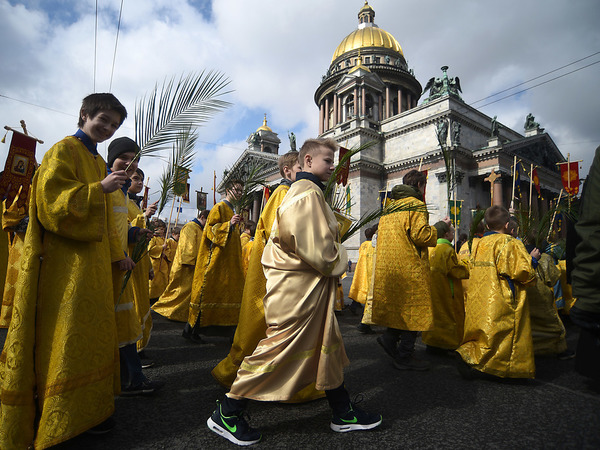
x=369, y=95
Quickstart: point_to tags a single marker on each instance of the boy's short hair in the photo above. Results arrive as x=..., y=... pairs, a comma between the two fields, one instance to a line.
x=232, y=183
x=159, y=223
x=249, y=225
x=176, y=230
x=414, y=178
x=496, y=217
x=369, y=232
x=312, y=145
x=288, y=159
x=442, y=228
x=204, y=214
x=140, y=172
x=94, y=103
x=513, y=225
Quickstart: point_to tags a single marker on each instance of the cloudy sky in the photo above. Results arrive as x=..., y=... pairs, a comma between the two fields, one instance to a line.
x=275, y=52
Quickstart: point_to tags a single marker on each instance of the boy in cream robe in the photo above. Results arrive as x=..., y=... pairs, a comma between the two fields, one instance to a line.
x=497, y=338
x=59, y=367
x=303, y=344
x=174, y=303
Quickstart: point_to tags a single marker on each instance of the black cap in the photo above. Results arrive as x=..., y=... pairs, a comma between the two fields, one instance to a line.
x=119, y=146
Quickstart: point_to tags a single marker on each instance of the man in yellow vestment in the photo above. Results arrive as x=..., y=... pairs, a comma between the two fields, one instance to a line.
x=218, y=278
x=174, y=303
x=60, y=360
x=302, y=261
x=401, y=284
x=161, y=257
x=363, y=276
x=497, y=339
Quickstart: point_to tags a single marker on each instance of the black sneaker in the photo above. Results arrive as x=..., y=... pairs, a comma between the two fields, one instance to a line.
x=567, y=354
x=188, y=333
x=365, y=329
x=233, y=428
x=103, y=427
x=411, y=363
x=144, y=388
x=355, y=419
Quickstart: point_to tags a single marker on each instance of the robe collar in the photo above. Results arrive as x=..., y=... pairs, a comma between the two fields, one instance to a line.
x=310, y=177
x=286, y=182
x=228, y=203
x=136, y=198
x=197, y=222
x=85, y=140
x=489, y=233
x=444, y=241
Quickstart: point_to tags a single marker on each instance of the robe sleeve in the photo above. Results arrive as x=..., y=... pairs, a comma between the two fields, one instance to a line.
x=514, y=262
x=457, y=269
x=69, y=205
x=421, y=233
x=218, y=225
x=304, y=231
x=550, y=273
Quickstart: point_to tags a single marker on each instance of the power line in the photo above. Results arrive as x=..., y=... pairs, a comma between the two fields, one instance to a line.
x=539, y=84
x=38, y=106
x=115, y=53
x=533, y=79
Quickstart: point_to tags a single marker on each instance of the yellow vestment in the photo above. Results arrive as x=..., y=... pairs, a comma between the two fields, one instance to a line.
x=11, y=218
x=302, y=261
x=447, y=297
x=363, y=273
x=497, y=338
x=246, y=252
x=218, y=279
x=139, y=279
x=567, y=289
x=244, y=239
x=129, y=329
x=60, y=364
x=547, y=330
x=160, y=258
x=401, y=285
x=464, y=254
x=174, y=303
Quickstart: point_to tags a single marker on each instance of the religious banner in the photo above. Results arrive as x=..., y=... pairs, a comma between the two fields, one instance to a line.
x=201, y=200
x=348, y=200
x=185, y=197
x=569, y=172
x=517, y=180
x=455, y=207
x=266, y=194
x=342, y=176
x=180, y=183
x=384, y=198
x=19, y=168
x=536, y=183
x=145, y=197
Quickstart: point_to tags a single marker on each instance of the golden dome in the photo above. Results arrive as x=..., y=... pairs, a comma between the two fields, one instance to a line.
x=367, y=37
x=264, y=126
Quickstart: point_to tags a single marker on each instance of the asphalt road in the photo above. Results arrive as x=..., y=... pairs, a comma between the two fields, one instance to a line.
x=421, y=410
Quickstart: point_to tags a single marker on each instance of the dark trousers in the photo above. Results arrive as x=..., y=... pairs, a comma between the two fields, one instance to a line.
x=405, y=340
x=131, y=366
x=587, y=361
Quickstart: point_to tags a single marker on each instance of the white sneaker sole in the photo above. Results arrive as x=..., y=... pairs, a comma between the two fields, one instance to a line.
x=353, y=427
x=226, y=434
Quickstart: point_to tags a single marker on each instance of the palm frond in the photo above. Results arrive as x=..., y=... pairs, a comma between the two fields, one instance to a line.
x=186, y=103
x=330, y=186
x=251, y=177
x=477, y=218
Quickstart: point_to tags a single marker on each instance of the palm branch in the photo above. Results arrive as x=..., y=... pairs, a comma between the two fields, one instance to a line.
x=477, y=218
x=180, y=162
x=186, y=103
x=331, y=183
x=251, y=177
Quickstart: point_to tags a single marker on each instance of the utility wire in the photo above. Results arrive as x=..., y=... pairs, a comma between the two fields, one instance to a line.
x=539, y=84
x=95, y=44
x=533, y=79
x=115, y=53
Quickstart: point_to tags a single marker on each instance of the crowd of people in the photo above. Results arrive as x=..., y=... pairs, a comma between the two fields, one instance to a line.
x=89, y=264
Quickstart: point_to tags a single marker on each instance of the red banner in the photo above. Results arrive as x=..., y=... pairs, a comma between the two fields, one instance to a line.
x=569, y=172
x=266, y=195
x=19, y=168
x=342, y=176
x=536, y=182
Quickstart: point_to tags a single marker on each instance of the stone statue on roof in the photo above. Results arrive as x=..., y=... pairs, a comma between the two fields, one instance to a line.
x=530, y=123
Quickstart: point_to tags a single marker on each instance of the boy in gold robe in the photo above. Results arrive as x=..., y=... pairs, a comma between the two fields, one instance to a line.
x=401, y=285
x=302, y=261
x=363, y=275
x=160, y=259
x=447, y=296
x=497, y=338
x=141, y=274
x=59, y=367
x=174, y=303
x=123, y=154
x=219, y=278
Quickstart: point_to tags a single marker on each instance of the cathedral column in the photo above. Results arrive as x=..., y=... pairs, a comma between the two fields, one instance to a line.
x=321, y=119
x=387, y=102
x=380, y=108
x=335, y=110
x=399, y=101
x=363, y=101
x=340, y=110
x=326, y=126
x=255, y=209
x=356, y=112
x=498, y=199
x=408, y=101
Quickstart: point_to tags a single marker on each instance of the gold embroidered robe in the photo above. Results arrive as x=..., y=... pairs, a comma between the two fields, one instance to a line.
x=244, y=239
x=139, y=279
x=129, y=329
x=464, y=254
x=401, y=285
x=547, y=330
x=363, y=273
x=174, y=303
x=218, y=279
x=246, y=252
x=160, y=258
x=497, y=338
x=302, y=262
x=62, y=343
x=11, y=217
x=447, y=297
x=567, y=289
